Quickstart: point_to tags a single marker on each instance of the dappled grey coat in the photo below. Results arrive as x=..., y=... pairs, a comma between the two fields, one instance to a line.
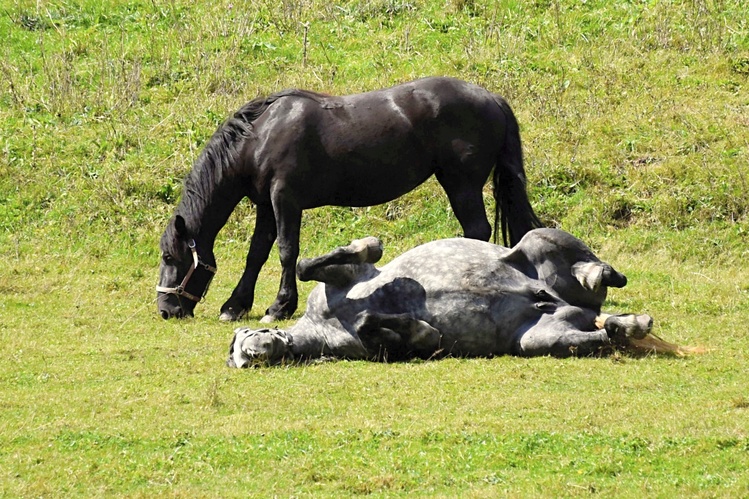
x=457, y=297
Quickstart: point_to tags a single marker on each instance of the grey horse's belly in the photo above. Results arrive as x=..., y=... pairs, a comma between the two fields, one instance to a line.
x=470, y=325
x=438, y=284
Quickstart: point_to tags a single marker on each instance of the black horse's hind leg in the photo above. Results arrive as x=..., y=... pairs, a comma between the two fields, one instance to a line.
x=241, y=299
x=467, y=203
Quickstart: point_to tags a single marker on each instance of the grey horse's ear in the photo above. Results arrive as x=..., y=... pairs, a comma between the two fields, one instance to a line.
x=230, y=361
x=588, y=274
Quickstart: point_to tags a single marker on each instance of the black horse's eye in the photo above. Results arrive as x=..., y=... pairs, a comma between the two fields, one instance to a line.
x=167, y=258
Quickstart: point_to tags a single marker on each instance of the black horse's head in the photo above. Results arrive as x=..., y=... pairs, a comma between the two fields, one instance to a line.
x=184, y=275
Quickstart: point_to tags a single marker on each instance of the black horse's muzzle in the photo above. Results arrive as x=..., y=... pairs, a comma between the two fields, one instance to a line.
x=193, y=289
x=172, y=311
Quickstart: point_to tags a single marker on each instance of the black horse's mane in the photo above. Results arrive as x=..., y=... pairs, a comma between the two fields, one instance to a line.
x=218, y=160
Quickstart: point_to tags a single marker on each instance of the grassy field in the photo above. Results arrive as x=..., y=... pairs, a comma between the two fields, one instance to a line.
x=635, y=121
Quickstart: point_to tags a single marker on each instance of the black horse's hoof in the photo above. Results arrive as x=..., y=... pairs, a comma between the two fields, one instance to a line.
x=270, y=318
x=276, y=313
x=280, y=311
x=231, y=315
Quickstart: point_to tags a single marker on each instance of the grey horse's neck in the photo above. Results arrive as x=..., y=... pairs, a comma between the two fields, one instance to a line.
x=304, y=342
x=316, y=339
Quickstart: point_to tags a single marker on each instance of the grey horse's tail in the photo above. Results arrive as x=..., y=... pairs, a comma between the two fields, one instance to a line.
x=511, y=205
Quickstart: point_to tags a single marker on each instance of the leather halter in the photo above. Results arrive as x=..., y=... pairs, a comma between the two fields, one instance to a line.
x=198, y=264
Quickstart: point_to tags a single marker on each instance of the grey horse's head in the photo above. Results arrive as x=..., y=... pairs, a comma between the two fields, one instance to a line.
x=250, y=347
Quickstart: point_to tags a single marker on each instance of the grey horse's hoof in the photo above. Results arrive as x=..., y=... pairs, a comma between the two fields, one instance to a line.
x=625, y=327
x=368, y=249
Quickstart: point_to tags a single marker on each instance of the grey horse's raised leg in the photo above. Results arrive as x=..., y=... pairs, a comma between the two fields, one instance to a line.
x=567, y=332
x=343, y=264
x=402, y=334
x=622, y=327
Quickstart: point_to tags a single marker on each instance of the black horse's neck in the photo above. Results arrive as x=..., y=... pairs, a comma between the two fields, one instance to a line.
x=206, y=213
x=213, y=188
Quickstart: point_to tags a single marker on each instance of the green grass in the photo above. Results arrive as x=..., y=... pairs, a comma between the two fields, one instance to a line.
x=635, y=122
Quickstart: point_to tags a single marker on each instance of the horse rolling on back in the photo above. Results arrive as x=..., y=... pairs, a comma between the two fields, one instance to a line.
x=455, y=297
x=297, y=150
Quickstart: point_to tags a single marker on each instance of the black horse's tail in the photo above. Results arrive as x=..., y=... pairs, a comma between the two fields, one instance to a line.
x=511, y=204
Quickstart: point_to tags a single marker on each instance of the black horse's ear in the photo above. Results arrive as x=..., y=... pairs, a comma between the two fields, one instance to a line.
x=181, y=226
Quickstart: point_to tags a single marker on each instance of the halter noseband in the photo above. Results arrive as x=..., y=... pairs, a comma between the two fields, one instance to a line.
x=198, y=263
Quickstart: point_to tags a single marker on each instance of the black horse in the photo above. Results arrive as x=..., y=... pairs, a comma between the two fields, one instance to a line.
x=296, y=150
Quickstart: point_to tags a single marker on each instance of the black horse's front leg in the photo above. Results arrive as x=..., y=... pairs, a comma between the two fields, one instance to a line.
x=241, y=299
x=288, y=224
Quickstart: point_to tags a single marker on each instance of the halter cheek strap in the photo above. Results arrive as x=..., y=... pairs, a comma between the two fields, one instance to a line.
x=197, y=263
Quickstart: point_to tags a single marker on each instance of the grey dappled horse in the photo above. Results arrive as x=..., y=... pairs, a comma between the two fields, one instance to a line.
x=452, y=297
x=297, y=150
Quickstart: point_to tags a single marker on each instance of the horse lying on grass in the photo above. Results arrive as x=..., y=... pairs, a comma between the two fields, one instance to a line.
x=454, y=297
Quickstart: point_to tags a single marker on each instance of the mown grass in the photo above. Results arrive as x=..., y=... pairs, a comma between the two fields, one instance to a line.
x=635, y=122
